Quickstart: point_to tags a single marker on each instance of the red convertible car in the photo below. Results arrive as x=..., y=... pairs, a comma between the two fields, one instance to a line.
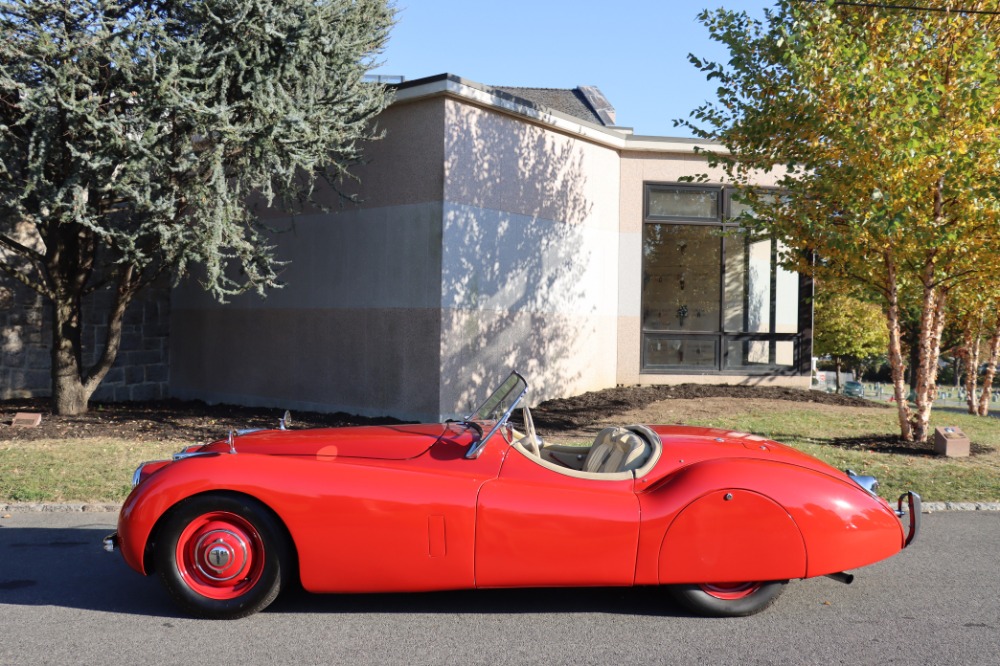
x=722, y=520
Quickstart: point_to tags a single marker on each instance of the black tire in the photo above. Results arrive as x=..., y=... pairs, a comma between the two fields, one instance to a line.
x=222, y=556
x=728, y=600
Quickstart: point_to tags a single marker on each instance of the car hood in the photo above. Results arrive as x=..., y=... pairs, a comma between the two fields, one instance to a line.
x=395, y=442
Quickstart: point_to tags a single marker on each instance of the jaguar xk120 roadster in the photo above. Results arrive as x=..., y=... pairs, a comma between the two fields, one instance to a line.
x=721, y=520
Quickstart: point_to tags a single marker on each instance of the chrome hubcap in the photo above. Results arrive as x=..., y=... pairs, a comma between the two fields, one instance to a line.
x=221, y=555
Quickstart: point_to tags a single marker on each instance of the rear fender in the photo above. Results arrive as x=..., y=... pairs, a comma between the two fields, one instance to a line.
x=779, y=521
x=732, y=535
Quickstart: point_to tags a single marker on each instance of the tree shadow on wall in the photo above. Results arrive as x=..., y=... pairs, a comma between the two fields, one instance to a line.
x=530, y=259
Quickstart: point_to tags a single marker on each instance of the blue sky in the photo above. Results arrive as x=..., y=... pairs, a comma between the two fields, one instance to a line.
x=635, y=51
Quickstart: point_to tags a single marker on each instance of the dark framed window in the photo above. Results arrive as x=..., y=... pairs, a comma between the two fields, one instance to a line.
x=714, y=299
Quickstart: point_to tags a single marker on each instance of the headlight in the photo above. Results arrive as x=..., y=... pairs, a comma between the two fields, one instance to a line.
x=146, y=469
x=869, y=483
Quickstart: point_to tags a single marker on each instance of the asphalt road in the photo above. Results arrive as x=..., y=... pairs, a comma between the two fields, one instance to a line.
x=65, y=601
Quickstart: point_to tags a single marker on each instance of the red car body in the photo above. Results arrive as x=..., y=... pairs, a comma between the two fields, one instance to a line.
x=407, y=508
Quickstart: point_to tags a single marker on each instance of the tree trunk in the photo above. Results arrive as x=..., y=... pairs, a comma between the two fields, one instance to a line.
x=72, y=384
x=991, y=370
x=931, y=327
x=837, y=364
x=970, y=352
x=69, y=395
x=896, y=352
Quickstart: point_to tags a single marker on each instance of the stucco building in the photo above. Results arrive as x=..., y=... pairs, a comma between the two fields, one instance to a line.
x=501, y=228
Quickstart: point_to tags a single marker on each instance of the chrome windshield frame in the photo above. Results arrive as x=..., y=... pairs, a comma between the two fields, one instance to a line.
x=514, y=383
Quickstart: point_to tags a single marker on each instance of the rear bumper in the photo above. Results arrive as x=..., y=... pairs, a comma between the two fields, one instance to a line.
x=913, y=510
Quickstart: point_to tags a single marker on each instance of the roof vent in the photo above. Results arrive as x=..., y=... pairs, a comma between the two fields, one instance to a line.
x=599, y=103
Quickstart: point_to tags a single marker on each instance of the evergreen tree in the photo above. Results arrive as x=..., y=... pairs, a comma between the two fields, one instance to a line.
x=135, y=135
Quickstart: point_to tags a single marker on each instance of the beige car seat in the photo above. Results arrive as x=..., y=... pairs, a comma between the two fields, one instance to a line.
x=616, y=450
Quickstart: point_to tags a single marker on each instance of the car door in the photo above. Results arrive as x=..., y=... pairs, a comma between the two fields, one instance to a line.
x=392, y=525
x=538, y=527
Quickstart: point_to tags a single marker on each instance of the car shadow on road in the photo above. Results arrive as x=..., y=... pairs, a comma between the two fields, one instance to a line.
x=648, y=601
x=67, y=567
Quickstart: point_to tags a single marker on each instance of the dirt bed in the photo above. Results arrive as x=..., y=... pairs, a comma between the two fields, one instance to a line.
x=162, y=420
x=196, y=421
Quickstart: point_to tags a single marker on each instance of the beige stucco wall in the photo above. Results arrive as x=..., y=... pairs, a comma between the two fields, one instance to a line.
x=357, y=326
x=530, y=253
x=482, y=241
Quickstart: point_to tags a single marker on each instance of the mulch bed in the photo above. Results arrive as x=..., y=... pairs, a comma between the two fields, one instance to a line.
x=197, y=421
x=185, y=420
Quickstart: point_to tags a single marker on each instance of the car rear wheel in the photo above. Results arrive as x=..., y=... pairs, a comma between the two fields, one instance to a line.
x=222, y=556
x=728, y=599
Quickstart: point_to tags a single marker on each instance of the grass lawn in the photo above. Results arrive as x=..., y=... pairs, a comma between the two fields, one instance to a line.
x=74, y=470
x=100, y=469
x=937, y=479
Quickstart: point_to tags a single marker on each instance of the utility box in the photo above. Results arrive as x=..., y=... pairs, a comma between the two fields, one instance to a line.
x=951, y=442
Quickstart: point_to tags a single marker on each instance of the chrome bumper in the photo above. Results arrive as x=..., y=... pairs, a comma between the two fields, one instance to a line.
x=111, y=542
x=913, y=509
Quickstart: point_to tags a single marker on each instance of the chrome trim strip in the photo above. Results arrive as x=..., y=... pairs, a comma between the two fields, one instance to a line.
x=194, y=454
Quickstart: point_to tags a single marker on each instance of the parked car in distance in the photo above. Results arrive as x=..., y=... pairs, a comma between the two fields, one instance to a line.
x=721, y=520
x=854, y=389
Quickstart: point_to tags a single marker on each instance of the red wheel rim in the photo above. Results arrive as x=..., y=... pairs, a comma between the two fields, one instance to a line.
x=729, y=591
x=220, y=555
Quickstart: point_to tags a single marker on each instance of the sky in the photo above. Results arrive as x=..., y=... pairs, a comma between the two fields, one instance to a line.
x=634, y=51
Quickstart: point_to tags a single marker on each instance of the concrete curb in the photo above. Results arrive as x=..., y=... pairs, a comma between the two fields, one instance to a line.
x=929, y=507
x=72, y=507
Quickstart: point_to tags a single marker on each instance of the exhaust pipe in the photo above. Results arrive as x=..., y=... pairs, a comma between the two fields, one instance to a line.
x=842, y=577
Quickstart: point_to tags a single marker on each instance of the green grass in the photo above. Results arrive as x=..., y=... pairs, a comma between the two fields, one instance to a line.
x=100, y=470
x=974, y=479
x=73, y=470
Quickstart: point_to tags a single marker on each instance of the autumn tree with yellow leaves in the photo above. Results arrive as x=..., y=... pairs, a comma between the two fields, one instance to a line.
x=976, y=310
x=884, y=121
x=847, y=329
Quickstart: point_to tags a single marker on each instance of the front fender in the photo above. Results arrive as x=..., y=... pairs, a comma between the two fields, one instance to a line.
x=156, y=495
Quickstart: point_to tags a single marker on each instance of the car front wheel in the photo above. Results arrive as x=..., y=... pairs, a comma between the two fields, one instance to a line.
x=728, y=599
x=222, y=556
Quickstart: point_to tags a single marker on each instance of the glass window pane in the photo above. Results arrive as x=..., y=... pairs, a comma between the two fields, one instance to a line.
x=683, y=202
x=681, y=280
x=660, y=352
x=737, y=206
x=735, y=282
x=748, y=354
x=748, y=285
x=758, y=303
x=784, y=353
x=786, y=300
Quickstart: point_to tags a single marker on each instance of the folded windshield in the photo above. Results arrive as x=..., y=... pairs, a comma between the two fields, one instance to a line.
x=497, y=409
x=502, y=400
